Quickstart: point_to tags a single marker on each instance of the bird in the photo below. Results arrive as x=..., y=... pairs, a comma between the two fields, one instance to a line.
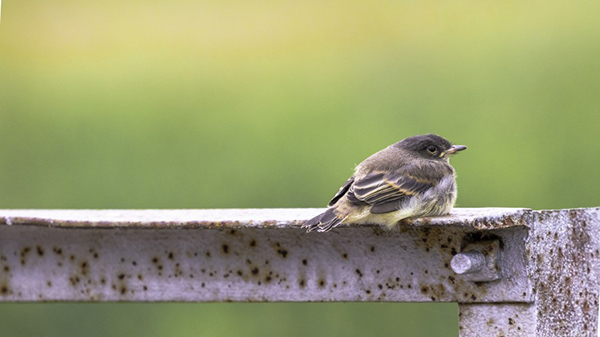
x=410, y=178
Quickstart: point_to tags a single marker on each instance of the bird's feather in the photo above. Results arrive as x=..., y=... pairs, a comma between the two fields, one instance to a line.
x=323, y=222
x=340, y=193
x=384, y=191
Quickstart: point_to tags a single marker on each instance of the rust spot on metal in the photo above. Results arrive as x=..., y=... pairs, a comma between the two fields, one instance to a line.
x=24, y=253
x=93, y=252
x=282, y=252
x=84, y=268
x=159, y=267
x=74, y=280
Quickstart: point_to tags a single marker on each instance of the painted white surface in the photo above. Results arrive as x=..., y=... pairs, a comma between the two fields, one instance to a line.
x=546, y=263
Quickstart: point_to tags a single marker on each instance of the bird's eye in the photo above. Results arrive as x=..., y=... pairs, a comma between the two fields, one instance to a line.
x=432, y=149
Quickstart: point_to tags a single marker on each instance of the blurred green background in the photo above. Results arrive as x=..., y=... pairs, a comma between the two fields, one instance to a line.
x=204, y=104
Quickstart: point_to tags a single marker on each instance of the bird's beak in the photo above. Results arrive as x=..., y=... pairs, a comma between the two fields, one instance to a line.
x=456, y=148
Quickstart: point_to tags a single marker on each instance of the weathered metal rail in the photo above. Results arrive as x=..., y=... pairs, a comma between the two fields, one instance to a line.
x=514, y=272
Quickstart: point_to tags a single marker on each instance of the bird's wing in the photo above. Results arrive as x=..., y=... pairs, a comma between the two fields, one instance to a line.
x=343, y=190
x=384, y=190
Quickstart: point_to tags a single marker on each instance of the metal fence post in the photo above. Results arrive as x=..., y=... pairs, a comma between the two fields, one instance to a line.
x=562, y=253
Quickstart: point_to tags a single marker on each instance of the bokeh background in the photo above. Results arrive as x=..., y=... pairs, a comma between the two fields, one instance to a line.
x=204, y=104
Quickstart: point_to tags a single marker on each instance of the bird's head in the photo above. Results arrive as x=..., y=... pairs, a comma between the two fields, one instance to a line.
x=430, y=146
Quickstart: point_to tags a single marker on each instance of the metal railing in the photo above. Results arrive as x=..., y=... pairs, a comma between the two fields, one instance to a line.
x=513, y=272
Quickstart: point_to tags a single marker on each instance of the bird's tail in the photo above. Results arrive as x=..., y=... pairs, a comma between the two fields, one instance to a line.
x=323, y=222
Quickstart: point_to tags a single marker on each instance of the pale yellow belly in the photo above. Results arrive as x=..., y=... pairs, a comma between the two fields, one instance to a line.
x=435, y=203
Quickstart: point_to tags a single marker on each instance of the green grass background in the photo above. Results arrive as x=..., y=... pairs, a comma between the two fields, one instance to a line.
x=203, y=104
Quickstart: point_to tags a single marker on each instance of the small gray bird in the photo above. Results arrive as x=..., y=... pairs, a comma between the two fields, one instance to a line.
x=411, y=178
